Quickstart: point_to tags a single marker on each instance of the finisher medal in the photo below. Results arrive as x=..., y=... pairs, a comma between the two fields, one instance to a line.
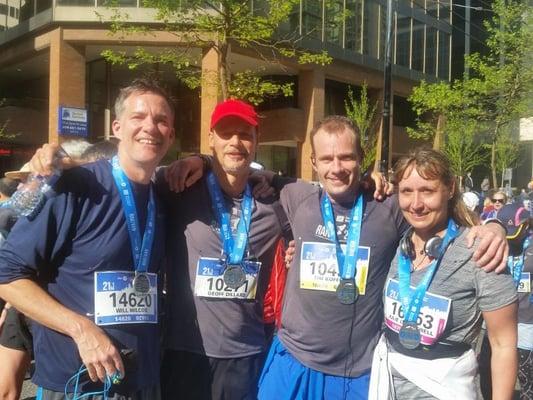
x=409, y=335
x=141, y=283
x=347, y=291
x=234, y=276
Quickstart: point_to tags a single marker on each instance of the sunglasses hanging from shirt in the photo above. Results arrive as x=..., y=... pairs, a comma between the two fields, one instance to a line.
x=412, y=301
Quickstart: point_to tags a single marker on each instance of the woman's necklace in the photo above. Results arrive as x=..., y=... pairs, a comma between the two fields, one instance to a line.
x=416, y=266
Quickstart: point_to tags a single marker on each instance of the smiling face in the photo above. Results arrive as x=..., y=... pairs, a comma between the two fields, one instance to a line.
x=233, y=142
x=145, y=128
x=337, y=163
x=424, y=202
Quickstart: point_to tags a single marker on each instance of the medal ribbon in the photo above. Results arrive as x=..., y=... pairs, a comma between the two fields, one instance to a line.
x=346, y=262
x=516, y=264
x=141, y=249
x=234, y=247
x=412, y=303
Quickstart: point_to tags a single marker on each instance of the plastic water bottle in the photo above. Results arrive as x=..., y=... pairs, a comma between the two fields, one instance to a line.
x=28, y=200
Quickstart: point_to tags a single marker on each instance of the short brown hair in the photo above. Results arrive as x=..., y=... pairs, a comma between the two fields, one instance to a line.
x=142, y=85
x=336, y=124
x=432, y=164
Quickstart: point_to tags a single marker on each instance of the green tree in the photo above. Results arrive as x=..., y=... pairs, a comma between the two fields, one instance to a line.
x=363, y=115
x=434, y=104
x=503, y=78
x=462, y=146
x=260, y=26
x=507, y=153
x=494, y=92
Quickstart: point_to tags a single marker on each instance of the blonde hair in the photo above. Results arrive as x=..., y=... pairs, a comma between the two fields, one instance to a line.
x=432, y=164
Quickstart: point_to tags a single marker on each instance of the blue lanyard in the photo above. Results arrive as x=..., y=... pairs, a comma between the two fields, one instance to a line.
x=516, y=264
x=234, y=247
x=141, y=248
x=346, y=262
x=412, y=303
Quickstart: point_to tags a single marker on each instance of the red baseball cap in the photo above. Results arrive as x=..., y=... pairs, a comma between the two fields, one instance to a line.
x=235, y=108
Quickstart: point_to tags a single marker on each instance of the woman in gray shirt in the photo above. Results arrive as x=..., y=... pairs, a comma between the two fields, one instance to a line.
x=435, y=297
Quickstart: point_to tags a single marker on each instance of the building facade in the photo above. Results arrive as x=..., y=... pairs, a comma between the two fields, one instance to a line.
x=52, y=59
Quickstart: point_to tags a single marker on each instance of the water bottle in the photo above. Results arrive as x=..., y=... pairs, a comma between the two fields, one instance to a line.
x=28, y=200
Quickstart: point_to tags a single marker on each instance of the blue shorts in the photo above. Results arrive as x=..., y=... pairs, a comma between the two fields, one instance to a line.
x=285, y=378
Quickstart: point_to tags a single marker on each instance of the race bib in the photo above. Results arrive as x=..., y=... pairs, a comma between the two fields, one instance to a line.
x=116, y=302
x=524, y=286
x=319, y=269
x=210, y=280
x=432, y=317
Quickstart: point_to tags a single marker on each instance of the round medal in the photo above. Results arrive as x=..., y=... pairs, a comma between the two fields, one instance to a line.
x=347, y=291
x=234, y=276
x=409, y=335
x=141, y=283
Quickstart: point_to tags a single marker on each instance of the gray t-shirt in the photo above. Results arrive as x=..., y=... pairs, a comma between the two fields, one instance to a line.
x=217, y=327
x=470, y=289
x=317, y=329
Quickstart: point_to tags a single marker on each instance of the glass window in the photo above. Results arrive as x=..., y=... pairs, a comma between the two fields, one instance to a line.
x=444, y=12
x=26, y=9
x=334, y=22
x=417, y=61
x=354, y=25
x=312, y=18
x=419, y=4
x=432, y=8
x=370, y=28
x=403, y=39
x=383, y=30
x=3, y=9
x=43, y=5
x=431, y=50
x=444, y=55
x=75, y=2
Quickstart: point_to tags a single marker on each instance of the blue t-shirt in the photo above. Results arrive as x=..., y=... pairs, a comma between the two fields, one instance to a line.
x=80, y=230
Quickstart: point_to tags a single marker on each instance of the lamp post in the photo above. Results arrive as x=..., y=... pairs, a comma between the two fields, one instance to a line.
x=387, y=95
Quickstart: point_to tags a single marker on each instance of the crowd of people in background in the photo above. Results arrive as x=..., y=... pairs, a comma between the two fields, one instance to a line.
x=121, y=288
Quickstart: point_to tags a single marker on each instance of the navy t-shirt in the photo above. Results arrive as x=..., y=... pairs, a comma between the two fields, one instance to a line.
x=80, y=230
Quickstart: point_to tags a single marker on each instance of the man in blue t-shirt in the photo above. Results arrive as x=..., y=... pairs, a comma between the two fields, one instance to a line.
x=85, y=269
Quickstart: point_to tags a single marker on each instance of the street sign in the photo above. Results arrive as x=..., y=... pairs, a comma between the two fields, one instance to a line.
x=73, y=121
x=508, y=174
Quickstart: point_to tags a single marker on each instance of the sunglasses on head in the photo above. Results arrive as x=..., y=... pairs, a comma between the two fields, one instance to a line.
x=497, y=201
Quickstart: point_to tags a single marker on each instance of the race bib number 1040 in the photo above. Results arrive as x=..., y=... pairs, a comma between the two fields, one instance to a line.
x=319, y=269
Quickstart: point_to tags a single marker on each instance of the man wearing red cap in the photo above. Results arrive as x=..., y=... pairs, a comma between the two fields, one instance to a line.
x=221, y=244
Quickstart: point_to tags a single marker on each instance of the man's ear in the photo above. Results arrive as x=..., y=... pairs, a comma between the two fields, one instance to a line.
x=211, y=140
x=313, y=162
x=115, y=127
